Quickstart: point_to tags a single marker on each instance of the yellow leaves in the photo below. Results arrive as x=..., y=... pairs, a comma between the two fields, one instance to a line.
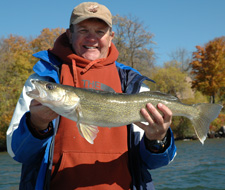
x=4, y=121
x=16, y=63
x=46, y=39
x=170, y=79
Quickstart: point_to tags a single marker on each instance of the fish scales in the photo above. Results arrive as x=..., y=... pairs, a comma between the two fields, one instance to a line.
x=119, y=109
x=110, y=110
x=90, y=108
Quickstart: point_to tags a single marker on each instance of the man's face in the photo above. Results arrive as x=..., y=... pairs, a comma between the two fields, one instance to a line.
x=91, y=39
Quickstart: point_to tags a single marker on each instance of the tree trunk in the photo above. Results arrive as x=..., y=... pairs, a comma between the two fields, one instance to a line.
x=213, y=99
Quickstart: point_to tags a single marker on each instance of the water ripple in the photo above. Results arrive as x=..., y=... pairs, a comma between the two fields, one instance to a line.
x=195, y=167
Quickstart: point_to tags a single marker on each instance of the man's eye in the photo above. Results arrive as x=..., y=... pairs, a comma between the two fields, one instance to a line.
x=49, y=86
x=101, y=32
x=83, y=31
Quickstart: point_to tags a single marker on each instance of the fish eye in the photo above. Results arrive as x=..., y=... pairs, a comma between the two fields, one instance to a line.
x=49, y=86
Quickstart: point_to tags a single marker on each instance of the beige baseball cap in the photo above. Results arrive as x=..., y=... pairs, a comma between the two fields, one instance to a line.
x=88, y=10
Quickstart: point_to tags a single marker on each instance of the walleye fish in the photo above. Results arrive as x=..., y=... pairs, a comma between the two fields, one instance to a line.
x=90, y=108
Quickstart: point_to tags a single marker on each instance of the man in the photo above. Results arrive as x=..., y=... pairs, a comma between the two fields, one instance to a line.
x=49, y=146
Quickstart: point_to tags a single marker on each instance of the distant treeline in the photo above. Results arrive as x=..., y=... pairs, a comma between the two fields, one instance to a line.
x=196, y=79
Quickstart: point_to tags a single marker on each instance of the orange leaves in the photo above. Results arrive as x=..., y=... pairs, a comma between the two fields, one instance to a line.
x=208, y=67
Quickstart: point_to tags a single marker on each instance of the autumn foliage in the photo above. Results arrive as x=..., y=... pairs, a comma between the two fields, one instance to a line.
x=16, y=63
x=208, y=68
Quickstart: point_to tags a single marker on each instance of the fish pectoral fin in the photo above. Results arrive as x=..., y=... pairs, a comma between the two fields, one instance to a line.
x=78, y=112
x=89, y=132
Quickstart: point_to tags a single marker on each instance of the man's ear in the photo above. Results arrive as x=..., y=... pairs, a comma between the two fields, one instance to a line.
x=111, y=38
x=112, y=34
x=69, y=35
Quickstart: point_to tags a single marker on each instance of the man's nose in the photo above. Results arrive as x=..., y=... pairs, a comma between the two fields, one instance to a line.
x=91, y=36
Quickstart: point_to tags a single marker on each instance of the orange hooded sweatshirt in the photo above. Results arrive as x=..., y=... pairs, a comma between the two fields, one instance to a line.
x=76, y=163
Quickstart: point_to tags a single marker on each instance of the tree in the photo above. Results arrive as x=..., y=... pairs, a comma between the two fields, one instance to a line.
x=184, y=57
x=16, y=63
x=15, y=66
x=133, y=41
x=46, y=39
x=208, y=68
x=170, y=79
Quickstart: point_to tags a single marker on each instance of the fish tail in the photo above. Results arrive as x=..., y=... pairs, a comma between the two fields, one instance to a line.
x=201, y=121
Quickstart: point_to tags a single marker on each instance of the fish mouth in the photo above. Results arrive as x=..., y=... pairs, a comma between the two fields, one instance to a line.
x=38, y=92
x=34, y=93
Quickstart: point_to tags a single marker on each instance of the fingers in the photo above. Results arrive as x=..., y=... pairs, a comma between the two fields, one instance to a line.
x=41, y=115
x=167, y=113
x=146, y=114
x=156, y=116
x=141, y=125
x=152, y=115
x=158, y=120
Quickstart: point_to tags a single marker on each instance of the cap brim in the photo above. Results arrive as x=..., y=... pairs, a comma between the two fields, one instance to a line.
x=80, y=19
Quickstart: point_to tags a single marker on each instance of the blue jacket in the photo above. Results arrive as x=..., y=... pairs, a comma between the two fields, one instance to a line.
x=36, y=154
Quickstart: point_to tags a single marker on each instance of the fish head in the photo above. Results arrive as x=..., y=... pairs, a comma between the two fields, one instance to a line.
x=53, y=95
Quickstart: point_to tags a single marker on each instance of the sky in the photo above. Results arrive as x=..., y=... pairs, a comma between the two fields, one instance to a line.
x=175, y=24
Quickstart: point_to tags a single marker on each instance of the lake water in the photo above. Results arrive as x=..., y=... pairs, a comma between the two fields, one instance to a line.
x=195, y=167
x=9, y=172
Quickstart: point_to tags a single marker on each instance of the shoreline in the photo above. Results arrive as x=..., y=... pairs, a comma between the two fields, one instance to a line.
x=194, y=138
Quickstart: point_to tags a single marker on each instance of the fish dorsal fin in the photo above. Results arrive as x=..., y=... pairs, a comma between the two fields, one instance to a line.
x=161, y=94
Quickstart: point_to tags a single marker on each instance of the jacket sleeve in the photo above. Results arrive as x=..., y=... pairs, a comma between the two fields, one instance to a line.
x=21, y=144
x=155, y=160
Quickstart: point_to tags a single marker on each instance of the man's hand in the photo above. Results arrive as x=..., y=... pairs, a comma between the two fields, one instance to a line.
x=158, y=124
x=40, y=116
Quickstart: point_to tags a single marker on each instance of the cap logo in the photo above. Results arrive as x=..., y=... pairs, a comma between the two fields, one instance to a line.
x=93, y=8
